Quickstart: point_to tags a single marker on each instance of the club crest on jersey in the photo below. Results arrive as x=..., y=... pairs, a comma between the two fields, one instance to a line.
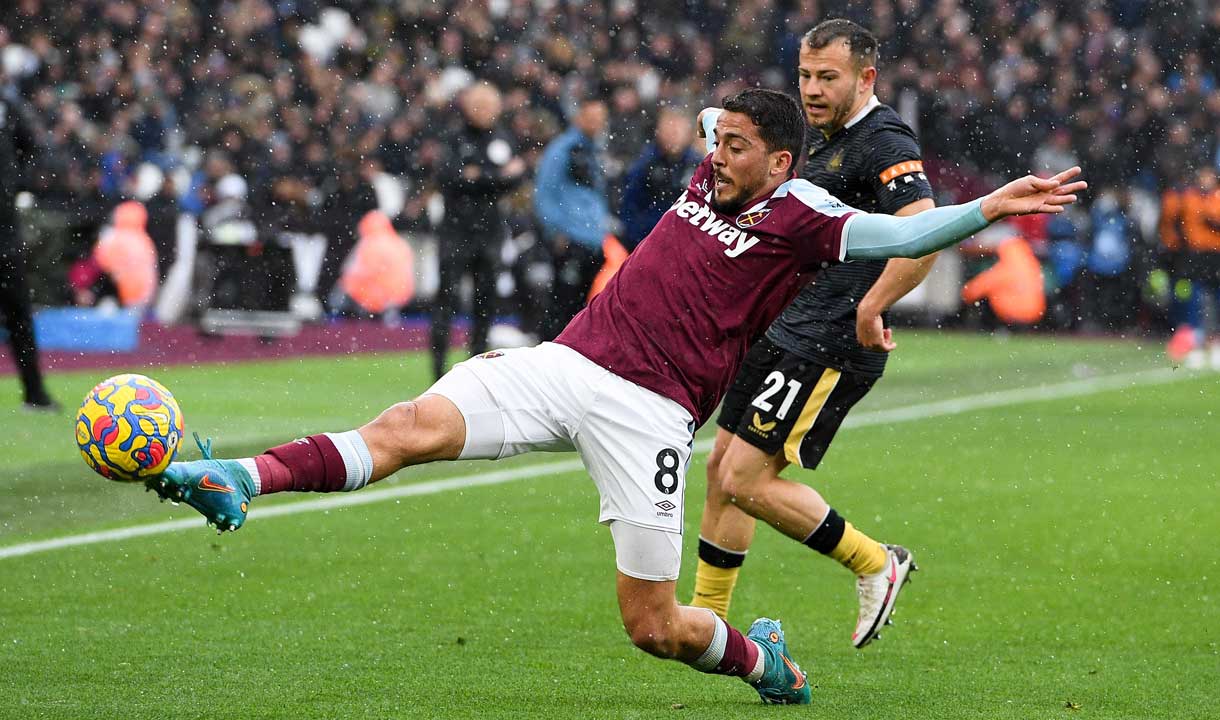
x=753, y=217
x=836, y=162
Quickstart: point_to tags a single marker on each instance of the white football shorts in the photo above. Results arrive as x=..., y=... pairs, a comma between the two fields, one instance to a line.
x=635, y=443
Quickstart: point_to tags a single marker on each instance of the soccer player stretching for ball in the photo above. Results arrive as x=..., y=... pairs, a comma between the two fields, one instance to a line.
x=825, y=351
x=632, y=376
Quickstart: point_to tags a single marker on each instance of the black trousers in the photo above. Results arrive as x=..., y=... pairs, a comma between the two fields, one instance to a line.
x=575, y=267
x=461, y=256
x=15, y=306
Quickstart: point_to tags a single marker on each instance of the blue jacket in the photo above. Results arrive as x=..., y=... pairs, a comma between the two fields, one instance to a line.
x=649, y=189
x=1113, y=234
x=575, y=206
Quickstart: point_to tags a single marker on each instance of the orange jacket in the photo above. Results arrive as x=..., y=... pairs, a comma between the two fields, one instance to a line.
x=615, y=255
x=126, y=253
x=1013, y=285
x=1169, y=227
x=381, y=273
x=1199, y=219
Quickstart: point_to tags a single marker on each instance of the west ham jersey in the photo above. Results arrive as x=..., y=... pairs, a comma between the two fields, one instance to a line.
x=682, y=311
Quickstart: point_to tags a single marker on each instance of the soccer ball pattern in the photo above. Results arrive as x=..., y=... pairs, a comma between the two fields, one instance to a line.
x=129, y=428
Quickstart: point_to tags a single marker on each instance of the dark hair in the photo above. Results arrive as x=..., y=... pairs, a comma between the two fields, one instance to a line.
x=780, y=121
x=861, y=42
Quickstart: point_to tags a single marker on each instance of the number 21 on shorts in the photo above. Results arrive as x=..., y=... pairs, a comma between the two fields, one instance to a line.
x=774, y=383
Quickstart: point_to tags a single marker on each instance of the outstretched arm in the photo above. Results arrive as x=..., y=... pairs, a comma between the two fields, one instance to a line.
x=876, y=237
x=901, y=276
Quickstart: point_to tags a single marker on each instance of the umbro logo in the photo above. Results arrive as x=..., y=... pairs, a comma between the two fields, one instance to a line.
x=666, y=505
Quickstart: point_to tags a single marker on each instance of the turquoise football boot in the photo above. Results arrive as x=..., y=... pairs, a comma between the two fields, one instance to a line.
x=219, y=489
x=783, y=682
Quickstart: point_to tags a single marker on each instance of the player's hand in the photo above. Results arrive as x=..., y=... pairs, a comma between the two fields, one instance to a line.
x=699, y=121
x=872, y=333
x=1033, y=194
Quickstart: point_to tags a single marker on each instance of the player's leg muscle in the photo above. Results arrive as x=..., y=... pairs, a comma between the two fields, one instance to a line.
x=746, y=471
x=751, y=478
x=716, y=497
x=656, y=623
x=409, y=433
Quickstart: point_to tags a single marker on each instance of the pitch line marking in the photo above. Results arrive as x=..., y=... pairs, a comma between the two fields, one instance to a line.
x=956, y=406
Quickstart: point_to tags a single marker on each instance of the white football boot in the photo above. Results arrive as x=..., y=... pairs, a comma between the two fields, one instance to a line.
x=879, y=592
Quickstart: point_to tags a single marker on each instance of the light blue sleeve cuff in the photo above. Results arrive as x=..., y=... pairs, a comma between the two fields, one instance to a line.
x=870, y=236
x=709, y=127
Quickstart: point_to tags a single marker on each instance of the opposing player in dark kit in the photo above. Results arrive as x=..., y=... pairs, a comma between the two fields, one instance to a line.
x=825, y=351
x=633, y=375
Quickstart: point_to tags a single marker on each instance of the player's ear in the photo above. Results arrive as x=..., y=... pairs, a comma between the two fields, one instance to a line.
x=781, y=163
x=868, y=76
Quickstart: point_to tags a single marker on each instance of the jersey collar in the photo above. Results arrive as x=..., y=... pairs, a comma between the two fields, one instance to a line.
x=868, y=108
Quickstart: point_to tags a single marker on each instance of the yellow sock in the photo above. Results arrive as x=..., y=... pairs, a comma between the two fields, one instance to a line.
x=858, y=552
x=714, y=588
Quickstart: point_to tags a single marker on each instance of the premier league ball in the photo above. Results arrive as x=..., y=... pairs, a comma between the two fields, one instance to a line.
x=129, y=428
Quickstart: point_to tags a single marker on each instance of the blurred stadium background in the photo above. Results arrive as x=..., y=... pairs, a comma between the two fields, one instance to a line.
x=315, y=113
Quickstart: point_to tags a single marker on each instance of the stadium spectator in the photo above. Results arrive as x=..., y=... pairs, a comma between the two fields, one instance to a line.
x=379, y=276
x=1011, y=291
x=480, y=167
x=1111, y=304
x=1056, y=152
x=657, y=177
x=163, y=210
x=347, y=196
x=1066, y=254
x=126, y=253
x=16, y=148
x=1191, y=234
x=226, y=272
x=573, y=210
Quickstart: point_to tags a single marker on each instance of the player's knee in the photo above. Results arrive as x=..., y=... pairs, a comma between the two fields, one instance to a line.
x=714, y=459
x=398, y=418
x=652, y=634
x=738, y=484
x=386, y=433
x=715, y=487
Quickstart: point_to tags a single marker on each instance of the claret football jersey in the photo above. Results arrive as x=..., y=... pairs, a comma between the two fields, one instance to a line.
x=685, y=306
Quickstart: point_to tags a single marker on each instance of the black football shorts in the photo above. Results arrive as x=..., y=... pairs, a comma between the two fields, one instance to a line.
x=784, y=402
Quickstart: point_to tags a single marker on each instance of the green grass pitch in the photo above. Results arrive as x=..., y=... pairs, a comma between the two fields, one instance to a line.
x=1067, y=539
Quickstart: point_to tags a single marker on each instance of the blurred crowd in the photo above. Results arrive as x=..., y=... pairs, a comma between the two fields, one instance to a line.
x=312, y=105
